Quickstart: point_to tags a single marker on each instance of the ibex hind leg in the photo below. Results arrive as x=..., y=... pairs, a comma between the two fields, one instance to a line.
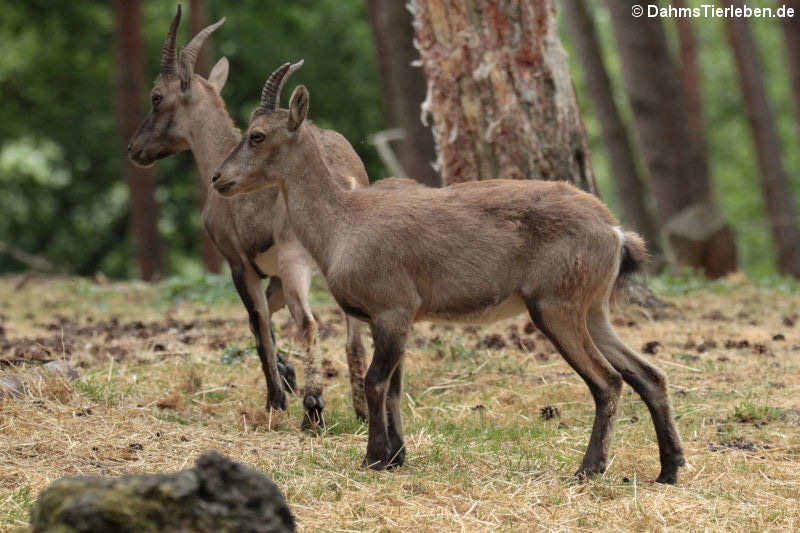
x=564, y=324
x=384, y=441
x=275, y=301
x=651, y=385
x=355, y=362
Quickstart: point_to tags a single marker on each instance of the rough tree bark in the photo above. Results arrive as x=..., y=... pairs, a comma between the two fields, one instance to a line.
x=791, y=38
x=130, y=109
x=500, y=92
x=697, y=232
x=774, y=182
x=403, y=88
x=629, y=187
x=199, y=19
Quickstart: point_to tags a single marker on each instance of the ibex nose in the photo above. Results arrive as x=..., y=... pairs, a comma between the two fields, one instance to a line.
x=215, y=177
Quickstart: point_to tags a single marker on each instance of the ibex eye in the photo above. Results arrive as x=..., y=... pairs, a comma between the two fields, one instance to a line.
x=256, y=137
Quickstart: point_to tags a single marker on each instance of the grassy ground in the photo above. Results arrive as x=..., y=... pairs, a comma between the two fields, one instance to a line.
x=496, y=422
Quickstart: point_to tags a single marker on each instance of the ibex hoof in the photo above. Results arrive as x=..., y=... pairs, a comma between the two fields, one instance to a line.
x=397, y=458
x=277, y=401
x=374, y=464
x=587, y=471
x=287, y=374
x=313, y=419
x=669, y=470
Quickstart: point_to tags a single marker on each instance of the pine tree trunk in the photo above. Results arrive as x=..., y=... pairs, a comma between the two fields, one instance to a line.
x=791, y=38
x=690, y=77
x=130, y=109
x=630, y=190
x=774, y=182
x=500, y=92
x=403, y=88
x=697, y=232
x=198, y=19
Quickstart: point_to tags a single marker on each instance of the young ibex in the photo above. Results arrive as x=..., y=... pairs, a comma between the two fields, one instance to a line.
x=252, y=231
x=474, y=252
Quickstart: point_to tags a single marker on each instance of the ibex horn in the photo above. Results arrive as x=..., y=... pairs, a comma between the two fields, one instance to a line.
x=271, y=93
x=190, y=52
x=168, y=56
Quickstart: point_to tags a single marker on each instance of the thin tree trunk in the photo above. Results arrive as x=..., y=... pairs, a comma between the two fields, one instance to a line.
x=690, y=77
x=774, y=181
x=199, y=19
x=698, y=234
x=403, y=87
x=629, y=187
x=500, y=92
x=791, y=38
x=130, y=108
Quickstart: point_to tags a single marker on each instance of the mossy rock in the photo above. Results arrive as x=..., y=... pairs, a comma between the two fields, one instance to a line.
x=216, y=495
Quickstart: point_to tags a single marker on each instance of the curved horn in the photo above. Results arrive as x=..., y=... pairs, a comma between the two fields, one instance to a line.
x=190, y=52
x=168, y=56
x=271, y=93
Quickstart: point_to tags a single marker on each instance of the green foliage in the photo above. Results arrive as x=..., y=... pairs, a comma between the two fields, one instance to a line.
x=61, y=157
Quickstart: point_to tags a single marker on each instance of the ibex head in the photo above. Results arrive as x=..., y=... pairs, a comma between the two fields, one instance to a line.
x=175, y=92
x=254, y=164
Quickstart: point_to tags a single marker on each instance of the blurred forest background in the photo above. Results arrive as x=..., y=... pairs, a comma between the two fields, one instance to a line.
x=64, y=202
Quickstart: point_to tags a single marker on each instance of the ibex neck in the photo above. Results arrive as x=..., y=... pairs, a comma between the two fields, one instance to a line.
x=212, y=136
x=316, y=204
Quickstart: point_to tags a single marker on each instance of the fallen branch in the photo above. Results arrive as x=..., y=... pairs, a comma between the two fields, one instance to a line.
x=30, y=260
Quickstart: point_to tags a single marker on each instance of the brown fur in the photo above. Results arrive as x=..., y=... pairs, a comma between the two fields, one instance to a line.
x=471, y=252
x=194, y=118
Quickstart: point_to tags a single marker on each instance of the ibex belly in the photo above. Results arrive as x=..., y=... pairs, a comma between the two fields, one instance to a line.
x=267, y=262
x=510, y=307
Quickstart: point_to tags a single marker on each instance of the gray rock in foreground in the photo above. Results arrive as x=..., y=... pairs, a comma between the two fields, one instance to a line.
x=216, y=495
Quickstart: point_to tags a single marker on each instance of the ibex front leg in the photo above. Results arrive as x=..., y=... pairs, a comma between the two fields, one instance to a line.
x=248, y=284
x=275, y=302
x=295, y=270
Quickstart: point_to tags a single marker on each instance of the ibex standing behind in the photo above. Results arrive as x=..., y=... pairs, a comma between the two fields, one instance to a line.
x=474, y=252
x=252, y=232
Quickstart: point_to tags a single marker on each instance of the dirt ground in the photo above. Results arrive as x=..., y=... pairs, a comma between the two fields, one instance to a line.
x=496, y=422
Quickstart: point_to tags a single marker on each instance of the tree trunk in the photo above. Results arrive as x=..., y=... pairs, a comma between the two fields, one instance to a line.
x=690, y=77
x=629, y=187
x=500, y=92
x=774, y=181
x=403, y=88
x=791, y=37
x=696, y=230
x=130, y=109
x=198, y=19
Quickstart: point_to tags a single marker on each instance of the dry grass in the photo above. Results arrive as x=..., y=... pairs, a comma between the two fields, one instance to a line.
x=480, y=455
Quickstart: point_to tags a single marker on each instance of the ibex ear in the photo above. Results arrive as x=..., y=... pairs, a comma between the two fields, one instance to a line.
x=298, y=107
x=219, y=74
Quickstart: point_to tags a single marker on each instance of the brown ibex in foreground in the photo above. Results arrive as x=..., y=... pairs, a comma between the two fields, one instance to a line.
x=474, y=252
x=252, y=232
